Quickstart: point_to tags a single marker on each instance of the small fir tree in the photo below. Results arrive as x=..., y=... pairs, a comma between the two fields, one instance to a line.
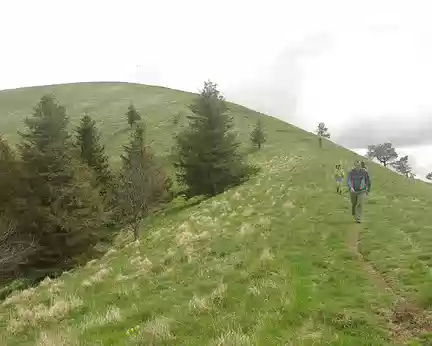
x=258, y=136
x=322, y=132
x=207, y=156
x=92, y=152
x=132, y=115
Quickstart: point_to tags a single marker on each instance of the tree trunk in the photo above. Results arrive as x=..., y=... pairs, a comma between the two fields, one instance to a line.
x=320, y=142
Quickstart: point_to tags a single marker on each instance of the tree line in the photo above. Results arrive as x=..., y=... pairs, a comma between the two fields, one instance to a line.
x=384, y=153
x=59, y=196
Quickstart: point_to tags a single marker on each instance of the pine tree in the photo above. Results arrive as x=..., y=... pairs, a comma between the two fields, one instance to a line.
x=9, y=175
x=322, y=132
x=13, y=188
x=132, y=115
x=208, y=160
x=143, y=184
x=258, y=136
x=402, y=166
x=15, y=244
x=92, y=152
x=64, y=209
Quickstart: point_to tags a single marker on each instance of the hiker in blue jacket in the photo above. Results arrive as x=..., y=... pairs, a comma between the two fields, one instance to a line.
x=359, y=184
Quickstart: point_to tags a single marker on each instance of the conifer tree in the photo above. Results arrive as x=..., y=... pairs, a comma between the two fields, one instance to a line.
x=15, y=244
x=402, y=166
x=207, y=156
x=143, y=183
x=64, y=209
x=258, y=136
x=92, y=152
x=322, y=132
x=9, y=175
x=132, y=115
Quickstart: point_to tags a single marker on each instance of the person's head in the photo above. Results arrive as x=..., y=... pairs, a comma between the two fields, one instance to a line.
x=363, y=164
x=357, y=164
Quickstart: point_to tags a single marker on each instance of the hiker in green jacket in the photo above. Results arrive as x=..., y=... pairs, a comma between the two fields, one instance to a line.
x=359, y=184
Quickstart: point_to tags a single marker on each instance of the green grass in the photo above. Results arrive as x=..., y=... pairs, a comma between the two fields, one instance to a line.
x=107, y=103
x=266, y=263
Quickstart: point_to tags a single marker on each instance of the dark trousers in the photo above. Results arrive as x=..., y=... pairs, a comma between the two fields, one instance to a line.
x=357, y=201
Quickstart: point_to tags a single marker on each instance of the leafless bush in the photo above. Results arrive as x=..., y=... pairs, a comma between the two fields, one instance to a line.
x=14, y=250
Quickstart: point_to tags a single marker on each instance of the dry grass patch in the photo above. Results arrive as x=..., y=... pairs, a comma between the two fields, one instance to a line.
x=112, y=315
x=99, y=276
x=310, y=332
x=57, y=337
x=125, y=289
x=237, y=196
x=289, y=205
x=232, y=338
x=110, y=252
x=199, y=304
x=155, y=331
x=34, y=315
x=144, y=265
x=120, y=277
x=254, y=290
x=246, y=228
x=20, y=297
x=56, y=287
x=209, y=302
x=219, y=292
x=91, y=263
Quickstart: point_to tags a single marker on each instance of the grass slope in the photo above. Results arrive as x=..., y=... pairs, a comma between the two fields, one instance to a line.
x=107, y=103
x=276, y=261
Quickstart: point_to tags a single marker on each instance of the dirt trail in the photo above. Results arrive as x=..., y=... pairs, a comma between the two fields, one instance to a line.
x=378, y=279
x=405, y=320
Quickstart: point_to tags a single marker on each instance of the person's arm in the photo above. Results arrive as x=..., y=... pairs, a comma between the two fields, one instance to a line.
x=368, y=179
x=349, y=181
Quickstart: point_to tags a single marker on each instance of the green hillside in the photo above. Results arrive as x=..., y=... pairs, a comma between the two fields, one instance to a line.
x=276, y=261
x=107, y=103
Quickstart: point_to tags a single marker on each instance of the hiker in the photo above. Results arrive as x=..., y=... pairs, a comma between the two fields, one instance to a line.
x=363, y=165
x=359, y=184
x=339, y=176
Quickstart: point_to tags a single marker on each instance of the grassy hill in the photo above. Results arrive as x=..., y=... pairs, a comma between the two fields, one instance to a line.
x=107, y=103
x=276, y=261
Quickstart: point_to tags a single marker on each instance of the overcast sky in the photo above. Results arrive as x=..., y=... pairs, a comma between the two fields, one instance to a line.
x=363, y=67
